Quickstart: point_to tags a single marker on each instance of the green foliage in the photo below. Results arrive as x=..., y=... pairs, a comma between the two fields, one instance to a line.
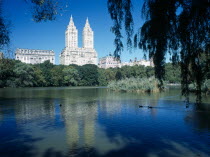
x=71, y=76
x=6, y=72
x=57, y=75
x=121, y=10
x=44, y=10
x=46, y=68
x=16, y=74
x=205, y=88
x=136, y=85
x=102, y=79
x=4, y=29
x=24, y=75
x=39, y=79
x=173, y=73
x=89, y=75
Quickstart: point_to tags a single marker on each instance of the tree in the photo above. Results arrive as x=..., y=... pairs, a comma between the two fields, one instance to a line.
x=24, y=75
x=176, y=26
x=46, y=68
x=110, y=74
x=6, y=72
x=57, y=75
x=173, y=73
x=119, y=75
x=71, y=76
x=89, y=75
x=4, y=29
x=39, y=80
x=102, y=79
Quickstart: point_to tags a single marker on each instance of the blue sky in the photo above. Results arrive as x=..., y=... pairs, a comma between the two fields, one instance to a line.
x=25, y=33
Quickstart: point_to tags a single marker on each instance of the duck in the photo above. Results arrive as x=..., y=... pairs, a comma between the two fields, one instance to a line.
x=60, y=105
x=140, y=106
x=150, y=107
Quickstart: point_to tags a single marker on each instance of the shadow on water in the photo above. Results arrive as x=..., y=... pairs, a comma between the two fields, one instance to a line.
x=96, y=122
x=199, y=118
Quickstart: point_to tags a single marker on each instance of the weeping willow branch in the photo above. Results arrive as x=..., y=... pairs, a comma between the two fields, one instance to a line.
x=177, y=27
x=120, y=10
x=4, y=29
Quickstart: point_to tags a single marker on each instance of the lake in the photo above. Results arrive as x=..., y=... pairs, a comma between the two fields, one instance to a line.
x=95, y=122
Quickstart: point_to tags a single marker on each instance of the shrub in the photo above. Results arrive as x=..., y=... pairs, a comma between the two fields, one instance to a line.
x=136, y=85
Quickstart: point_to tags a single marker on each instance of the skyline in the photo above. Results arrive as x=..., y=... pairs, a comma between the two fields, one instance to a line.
x=50, y=35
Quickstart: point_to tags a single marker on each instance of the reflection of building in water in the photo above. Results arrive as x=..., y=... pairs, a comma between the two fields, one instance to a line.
x=27, y=110
x=80, y=124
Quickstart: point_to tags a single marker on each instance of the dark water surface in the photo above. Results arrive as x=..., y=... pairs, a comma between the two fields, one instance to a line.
x=96, y=122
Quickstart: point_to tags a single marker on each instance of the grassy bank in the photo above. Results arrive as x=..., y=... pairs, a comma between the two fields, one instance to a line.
x=136, y=85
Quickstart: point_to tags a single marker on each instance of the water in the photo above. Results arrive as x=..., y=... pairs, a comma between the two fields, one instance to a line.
x=96, y=122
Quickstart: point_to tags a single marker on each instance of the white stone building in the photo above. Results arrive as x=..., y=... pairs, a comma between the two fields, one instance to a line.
x=139, y=62
x=72, y=54
x=33, y=56
x=145, y=62
x=109, y=62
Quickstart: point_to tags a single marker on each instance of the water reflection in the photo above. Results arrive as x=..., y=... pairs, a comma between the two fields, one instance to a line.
x=199, y=117
x=97, y=122
x=79, y=119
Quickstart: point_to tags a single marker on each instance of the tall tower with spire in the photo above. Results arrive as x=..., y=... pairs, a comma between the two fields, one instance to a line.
x=72, y=54
x=71, y=35
x=88, y=36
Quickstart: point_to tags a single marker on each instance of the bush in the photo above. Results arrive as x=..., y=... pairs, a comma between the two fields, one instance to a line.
x=136, y=85
x=205, y=88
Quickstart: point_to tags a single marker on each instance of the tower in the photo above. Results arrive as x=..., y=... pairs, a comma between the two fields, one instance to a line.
x=87, y=36
x=71, y=35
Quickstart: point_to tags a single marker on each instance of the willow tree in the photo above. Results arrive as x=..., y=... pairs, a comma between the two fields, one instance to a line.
x=4, y=31
x=177, y=27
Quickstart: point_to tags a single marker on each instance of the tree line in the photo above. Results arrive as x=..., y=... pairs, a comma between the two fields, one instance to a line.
x=14, y=73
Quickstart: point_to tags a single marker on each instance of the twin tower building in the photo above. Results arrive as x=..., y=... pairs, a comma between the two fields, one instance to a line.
x=72, y=54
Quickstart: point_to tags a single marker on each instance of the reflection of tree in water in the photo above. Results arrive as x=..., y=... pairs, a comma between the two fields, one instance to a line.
x=31, y=110
x=14, y=141
x=199, y=117
x=1, y=115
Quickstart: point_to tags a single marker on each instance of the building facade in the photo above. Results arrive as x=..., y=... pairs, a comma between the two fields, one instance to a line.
x=109, y=62
x=72, y=54
x=32, y=56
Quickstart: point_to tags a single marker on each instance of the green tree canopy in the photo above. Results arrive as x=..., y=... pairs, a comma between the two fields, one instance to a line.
x=24, y=75
x=71, y=76
x=89, y=75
